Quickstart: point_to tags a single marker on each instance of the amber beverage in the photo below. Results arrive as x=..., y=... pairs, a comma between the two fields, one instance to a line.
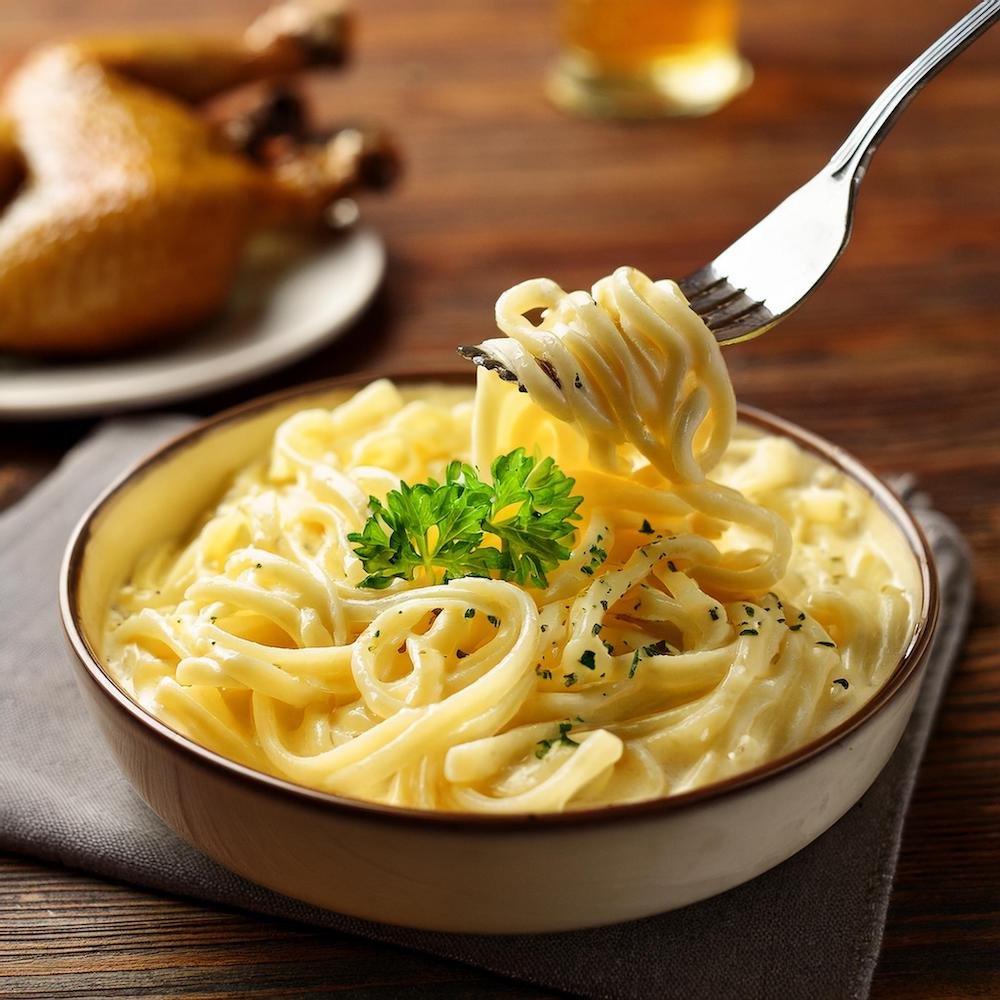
x=644, y=58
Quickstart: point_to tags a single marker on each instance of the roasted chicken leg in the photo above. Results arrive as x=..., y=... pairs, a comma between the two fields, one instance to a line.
x=123, y=212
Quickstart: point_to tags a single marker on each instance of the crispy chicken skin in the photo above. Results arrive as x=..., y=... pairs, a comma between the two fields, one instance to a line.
x=124, y=214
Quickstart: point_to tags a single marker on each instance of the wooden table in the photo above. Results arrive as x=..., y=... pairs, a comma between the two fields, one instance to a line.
x=897, y=358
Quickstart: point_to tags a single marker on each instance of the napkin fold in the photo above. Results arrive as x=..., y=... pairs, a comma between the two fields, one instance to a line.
x=811, y=927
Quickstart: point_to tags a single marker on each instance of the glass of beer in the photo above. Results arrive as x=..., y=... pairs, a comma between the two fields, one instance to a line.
x=648, y=58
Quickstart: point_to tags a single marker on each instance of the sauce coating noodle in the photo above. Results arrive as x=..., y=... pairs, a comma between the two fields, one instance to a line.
x=728, y=596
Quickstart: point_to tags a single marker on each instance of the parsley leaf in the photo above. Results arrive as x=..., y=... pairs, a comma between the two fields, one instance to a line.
x=438, y=529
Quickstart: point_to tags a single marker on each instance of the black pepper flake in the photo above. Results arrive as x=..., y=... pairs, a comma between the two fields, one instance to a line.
x=461, y=654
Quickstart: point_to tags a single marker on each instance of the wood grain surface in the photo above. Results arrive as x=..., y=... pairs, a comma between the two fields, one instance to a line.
x=897, y=358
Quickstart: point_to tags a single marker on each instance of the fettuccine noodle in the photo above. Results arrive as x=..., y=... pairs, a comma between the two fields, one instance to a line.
x=728, y=597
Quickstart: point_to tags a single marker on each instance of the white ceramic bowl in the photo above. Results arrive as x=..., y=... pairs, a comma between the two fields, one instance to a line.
x=455, y=872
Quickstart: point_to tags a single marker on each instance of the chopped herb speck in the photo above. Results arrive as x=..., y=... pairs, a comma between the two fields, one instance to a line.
x=635, y=664
x=659, y=648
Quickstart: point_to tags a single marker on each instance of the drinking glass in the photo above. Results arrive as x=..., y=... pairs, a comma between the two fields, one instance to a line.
x=648, y=58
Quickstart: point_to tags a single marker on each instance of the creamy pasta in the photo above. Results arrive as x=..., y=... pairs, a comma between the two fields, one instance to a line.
x=727, y=597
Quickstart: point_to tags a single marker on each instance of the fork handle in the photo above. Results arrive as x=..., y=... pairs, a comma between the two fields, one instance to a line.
x=851, y=160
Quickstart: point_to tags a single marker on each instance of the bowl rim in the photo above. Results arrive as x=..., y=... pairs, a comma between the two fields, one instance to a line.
x=358, y=809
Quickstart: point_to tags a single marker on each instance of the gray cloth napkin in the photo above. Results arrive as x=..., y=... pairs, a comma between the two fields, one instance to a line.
x=810, y=928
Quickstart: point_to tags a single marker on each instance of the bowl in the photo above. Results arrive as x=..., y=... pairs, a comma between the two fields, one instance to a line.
x=448, y=871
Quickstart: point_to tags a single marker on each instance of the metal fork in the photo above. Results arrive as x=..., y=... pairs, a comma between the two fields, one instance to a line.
x=770, y=270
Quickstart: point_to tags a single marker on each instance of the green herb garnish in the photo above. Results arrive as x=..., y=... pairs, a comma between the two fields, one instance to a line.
x=544, y=746
x=439, y=528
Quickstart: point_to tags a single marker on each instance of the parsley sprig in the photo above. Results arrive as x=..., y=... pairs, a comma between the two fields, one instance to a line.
x=440, y=528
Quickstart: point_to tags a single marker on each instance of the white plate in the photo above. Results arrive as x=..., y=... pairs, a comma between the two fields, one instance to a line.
x=287, y=301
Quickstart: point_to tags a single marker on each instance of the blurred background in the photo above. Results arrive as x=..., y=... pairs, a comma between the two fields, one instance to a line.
x=499, y=185
x=895, y=357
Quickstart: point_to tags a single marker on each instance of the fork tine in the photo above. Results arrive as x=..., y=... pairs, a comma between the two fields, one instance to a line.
x=727, y=312
x=746, y=325
x=700, y=281
x=483, y=359
x=715, y=298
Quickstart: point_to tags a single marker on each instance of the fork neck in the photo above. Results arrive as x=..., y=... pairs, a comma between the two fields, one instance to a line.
x=851, y=160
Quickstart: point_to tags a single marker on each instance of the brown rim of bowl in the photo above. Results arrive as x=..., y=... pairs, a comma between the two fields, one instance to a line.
x=487, y=822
